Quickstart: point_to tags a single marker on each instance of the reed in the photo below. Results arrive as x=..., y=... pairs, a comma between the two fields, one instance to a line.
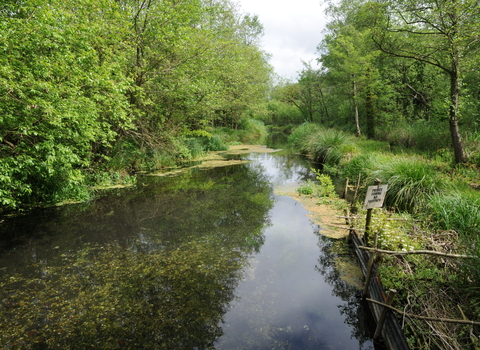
x=459, y=211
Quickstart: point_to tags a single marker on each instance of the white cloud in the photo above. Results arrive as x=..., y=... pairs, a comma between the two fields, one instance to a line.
x=293, y=29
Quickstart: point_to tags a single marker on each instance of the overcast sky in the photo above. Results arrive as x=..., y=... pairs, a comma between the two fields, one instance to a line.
x=293, y=29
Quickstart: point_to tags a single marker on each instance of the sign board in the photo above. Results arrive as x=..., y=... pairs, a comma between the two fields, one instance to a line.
x=375, y=196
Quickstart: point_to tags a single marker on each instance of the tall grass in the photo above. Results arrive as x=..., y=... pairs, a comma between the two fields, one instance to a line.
x=301, y=136
x=472, y=147
x=411, y=183
x=330, y=146
x=362, y=164
x=325, y=146
x=421, y=135
x=459, y=211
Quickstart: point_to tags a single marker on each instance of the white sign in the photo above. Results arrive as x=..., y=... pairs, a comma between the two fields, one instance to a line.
x=375, y=196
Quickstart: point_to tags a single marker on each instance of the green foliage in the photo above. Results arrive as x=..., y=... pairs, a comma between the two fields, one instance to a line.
x=459, y=211
x=86, y=84
x=307, y=189
x=411, y=183
x=281, y=113
x=322, y=188
x=253, y=130
x=300, y=137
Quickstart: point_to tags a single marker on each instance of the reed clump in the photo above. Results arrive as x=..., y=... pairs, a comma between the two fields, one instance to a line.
x=322, y=145
x=411, y=183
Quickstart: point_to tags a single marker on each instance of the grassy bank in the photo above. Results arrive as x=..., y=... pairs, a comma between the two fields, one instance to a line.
x=430, y=205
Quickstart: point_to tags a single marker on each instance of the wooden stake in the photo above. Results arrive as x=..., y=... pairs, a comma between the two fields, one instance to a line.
x=368, y=277
x=383, y=315
x=368, y=222
x=347, y=218
x=346, y=189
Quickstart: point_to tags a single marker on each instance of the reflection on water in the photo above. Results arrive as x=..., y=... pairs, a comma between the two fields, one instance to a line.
x=207, y=259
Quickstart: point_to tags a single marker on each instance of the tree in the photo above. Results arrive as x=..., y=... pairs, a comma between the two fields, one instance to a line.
x=62, y=96
x=444, y=34
x=348, y=54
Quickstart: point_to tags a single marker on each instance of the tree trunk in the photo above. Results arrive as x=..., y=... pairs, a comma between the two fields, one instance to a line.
x=453, y=120
x=324, y=106
x=355, y=106
x=370, y=114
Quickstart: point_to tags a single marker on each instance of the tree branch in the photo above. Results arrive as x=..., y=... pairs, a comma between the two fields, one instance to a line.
x=426, y=318
x=428, y=252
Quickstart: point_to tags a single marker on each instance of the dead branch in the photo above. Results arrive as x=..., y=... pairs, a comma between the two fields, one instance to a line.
x=426, y=318
x=429, y=252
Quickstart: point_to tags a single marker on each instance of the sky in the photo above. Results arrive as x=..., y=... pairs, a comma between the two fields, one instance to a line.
x=293, y=29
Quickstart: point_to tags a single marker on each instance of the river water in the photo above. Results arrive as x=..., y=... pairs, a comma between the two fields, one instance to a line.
x=206, y=259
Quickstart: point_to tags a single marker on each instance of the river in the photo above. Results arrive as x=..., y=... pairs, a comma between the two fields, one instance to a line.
x=207, y=258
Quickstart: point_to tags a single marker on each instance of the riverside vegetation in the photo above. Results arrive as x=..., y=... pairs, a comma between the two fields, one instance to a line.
x=92, y=92
x=428, y=206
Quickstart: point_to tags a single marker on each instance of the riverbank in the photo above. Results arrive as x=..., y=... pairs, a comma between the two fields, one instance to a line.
x=429, y=206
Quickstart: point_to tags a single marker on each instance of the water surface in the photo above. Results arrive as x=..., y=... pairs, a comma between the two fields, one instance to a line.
x=206, y=259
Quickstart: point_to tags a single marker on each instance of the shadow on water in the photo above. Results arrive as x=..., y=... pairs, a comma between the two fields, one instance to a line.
x=206, y=259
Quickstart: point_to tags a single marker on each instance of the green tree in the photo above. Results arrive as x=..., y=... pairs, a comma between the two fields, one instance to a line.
x=443, y=34
x=62, y=95
x=348, y=54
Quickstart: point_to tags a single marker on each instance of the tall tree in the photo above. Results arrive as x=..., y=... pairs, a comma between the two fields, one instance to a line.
x=442, y=33
x=348, y=54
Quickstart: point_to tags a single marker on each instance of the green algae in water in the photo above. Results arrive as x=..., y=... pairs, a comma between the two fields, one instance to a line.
x=106, y=296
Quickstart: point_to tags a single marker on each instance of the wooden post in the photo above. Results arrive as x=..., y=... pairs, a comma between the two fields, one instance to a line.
x=383, y=315
x=368, y=277
x=346, y=189
x=347, y=218
x=368, y=220
x=353, y=205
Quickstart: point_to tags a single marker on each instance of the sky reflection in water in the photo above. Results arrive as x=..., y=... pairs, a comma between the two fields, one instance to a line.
x=157, y=267
x=284, y=301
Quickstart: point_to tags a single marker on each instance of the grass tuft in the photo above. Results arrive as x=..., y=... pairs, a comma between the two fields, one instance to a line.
x=411, y=183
